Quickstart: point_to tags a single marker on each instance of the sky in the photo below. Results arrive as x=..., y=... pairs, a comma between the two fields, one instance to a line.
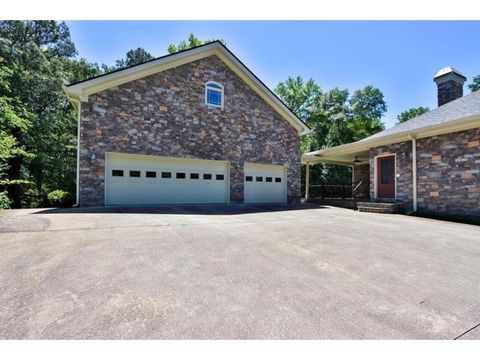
x=399, y=57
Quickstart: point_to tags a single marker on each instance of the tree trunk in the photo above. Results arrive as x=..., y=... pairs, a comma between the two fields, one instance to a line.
x=15, y=190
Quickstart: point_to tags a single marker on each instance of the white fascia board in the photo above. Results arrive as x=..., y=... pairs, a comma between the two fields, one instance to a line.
x=136, y=72
x=428, y=131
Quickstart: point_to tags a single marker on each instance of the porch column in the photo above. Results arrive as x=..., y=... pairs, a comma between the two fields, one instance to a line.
x=307, y=182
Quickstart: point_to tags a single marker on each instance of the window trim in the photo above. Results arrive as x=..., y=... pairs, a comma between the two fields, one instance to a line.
x=220, y=90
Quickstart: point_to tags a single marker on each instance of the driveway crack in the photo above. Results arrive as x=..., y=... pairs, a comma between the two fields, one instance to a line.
x=466, y=332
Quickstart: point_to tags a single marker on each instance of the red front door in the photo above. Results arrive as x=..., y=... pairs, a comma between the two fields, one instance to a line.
x=386, y=177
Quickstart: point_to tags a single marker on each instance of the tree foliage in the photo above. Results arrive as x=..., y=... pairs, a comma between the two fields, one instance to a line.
x=475, y=85
x=335, y=117
x=133, y=57
x=38, y=123
x=191, y=42
x=411, y=113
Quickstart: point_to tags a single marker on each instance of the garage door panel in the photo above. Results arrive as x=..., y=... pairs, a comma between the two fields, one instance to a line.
x=165, y=190
x=264, y=183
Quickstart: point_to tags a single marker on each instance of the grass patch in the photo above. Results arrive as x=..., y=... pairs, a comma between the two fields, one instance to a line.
x=464, y=219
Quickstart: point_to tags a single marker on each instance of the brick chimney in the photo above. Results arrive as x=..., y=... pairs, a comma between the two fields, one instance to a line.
x=450, y=84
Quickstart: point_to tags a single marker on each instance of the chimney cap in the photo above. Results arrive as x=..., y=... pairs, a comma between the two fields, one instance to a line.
x=448, y=70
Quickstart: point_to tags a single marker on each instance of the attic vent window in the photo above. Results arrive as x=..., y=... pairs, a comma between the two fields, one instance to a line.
x=214, y=94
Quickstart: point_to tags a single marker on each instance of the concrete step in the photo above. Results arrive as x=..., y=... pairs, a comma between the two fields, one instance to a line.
x=376, y=204
x=380, y=208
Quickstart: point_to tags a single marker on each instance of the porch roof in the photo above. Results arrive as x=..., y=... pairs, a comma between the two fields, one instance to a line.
x=458, y=115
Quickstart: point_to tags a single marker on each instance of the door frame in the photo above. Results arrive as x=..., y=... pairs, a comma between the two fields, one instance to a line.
x=375, y=172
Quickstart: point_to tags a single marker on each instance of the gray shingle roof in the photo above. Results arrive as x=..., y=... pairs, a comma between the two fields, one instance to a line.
x=465, y=107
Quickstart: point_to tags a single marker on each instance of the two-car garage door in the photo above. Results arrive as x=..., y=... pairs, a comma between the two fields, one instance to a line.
x=143, y=180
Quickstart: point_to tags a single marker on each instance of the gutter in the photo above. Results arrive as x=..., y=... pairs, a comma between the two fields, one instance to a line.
x=77, y=105
x=428, y=131
x=77, y=193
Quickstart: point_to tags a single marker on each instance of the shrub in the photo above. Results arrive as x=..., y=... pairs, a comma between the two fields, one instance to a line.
x=4, y=201
x=60, y=198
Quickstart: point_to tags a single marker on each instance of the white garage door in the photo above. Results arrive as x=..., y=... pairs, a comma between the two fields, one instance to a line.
x=142, y=179
x=265, y=183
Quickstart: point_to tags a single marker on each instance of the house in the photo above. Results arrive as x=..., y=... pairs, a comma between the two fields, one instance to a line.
x=430, y=163
x=193, y=127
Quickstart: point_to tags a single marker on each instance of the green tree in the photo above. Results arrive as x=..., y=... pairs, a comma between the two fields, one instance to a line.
x=411, y=113
x=36, y=58
x=299, y=96
x=367, y=109
x=133, y=57
x=335, y=118
x=475, y=85
x=191, y=42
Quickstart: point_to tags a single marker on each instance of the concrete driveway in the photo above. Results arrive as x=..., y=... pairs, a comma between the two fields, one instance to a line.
x=305, y=272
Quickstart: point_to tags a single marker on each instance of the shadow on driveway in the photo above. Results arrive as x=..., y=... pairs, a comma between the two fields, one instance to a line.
x=181, y=209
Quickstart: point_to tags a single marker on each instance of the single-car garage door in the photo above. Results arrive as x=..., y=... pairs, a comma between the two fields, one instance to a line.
x=264, y=183
x=141, y=179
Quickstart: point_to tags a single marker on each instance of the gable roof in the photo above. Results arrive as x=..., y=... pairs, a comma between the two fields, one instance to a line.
x=79, y=91
x=458, y=115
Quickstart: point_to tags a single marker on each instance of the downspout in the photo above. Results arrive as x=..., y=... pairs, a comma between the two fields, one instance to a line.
x=77, y=192
x=307, y=182
x=414, y=170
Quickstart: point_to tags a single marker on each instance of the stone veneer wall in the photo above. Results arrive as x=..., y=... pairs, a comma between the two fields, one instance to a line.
x=403, y=168
x=165, y=114
x=361, y=173
x=448, y=173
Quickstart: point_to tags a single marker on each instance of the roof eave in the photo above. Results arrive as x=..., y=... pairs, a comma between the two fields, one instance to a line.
x=363, y=145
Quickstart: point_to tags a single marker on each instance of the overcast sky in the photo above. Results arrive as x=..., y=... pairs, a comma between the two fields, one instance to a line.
x=400, y=58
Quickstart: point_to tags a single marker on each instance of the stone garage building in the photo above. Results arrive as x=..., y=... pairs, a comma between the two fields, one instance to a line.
x=430, y=163
x=192, y=127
